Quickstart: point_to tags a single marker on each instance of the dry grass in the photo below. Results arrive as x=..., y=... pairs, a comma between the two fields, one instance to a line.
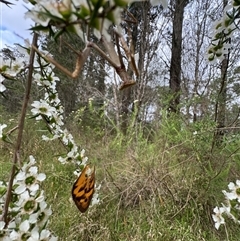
x=150, y=190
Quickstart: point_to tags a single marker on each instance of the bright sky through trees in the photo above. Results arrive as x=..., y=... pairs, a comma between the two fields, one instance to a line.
x=13, y=26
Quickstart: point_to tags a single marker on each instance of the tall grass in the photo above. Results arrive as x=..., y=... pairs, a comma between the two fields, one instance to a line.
x=158, y=188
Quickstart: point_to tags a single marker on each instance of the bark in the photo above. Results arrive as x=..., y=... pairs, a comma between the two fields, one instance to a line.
x=175, y=65
x=220, y=108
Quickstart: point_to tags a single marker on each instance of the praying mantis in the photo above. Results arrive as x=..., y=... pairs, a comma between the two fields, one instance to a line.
x=115, y=59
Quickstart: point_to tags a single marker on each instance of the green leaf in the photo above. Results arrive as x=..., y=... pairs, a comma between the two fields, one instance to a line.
x=84, y=12
x=32, y=117
x=236, y=3
x=95, y=23
x=39, y=28
x=110, y=16
x=94, y=16
x=52, y=17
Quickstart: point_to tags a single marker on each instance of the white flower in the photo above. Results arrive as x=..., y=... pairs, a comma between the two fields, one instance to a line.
x=29, y=206
x=2, y=224
x=16, y=67
x=46, y=138
x=95, y=199
x=84, y=160
x=82, y=154
x=34, y=234
x=23, y=231
x=29, y=180
x=58, y=119
x=67, y=137
x=4, y=232
x=21, y=188
x=43, y=214
x=38, y=79
x=36, y=13
x=50, y=81
x=12, y=223
x=42, y=236
x=217, y=217
x=33, y=217
x=63, y=160
x=235, y=191
x=45, y=234
x=71, y=155
x=227, y=210
x=28, y=164
x=2, y=127
x=42, y=107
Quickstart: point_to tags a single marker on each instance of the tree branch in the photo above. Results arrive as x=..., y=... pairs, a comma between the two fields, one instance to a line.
x=16, y=156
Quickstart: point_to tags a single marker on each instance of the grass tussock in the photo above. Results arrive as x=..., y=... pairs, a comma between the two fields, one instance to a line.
x=158, y=188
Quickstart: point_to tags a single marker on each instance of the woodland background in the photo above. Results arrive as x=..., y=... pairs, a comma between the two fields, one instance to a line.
x=163, y=149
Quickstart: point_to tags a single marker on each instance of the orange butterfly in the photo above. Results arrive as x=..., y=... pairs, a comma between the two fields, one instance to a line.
x=83, y=188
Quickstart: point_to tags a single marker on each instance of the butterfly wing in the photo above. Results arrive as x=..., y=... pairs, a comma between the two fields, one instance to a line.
x=83, y=188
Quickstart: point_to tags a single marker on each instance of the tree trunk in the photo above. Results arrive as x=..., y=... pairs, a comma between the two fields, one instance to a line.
x=220, y=108
x=126, y=101
x=175, y=65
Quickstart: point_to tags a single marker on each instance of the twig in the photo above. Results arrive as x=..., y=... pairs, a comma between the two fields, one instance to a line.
x=16, y=156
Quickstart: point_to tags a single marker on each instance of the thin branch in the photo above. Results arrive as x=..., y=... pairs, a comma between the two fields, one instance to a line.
x=16, y=156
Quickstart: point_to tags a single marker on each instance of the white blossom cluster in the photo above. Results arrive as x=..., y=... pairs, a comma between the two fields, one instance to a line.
x=51, y=110
x=231, y=208
x=71, y=13
x=25, y=226
x=222, y=30
x=11, y=68
x=28, y=212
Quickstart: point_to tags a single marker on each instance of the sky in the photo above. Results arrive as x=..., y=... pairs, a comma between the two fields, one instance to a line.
x=13, y=26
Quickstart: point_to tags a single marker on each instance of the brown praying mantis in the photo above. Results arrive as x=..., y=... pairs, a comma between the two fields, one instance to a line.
x=115, y=59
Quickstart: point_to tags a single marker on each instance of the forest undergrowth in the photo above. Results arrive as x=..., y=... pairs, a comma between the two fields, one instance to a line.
x=155, y=185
